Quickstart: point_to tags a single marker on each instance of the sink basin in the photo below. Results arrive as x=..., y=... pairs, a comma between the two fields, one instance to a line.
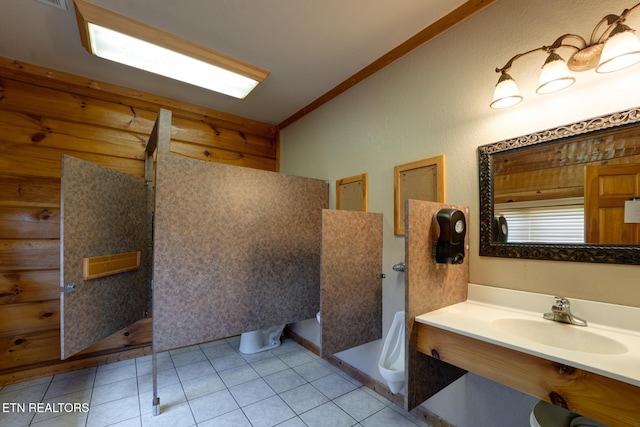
x=560, y=335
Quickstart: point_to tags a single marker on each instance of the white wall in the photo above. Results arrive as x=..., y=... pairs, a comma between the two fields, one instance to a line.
x=436, y=101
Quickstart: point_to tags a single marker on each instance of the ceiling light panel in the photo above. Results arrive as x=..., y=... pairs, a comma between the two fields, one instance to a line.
x=123, y=40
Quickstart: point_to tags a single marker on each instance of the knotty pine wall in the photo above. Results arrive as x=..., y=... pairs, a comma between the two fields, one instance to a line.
x=44, y=114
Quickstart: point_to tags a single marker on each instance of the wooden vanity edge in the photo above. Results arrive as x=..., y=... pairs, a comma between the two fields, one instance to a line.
x=595, y=396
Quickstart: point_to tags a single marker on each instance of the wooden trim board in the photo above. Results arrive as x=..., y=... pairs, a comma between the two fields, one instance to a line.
x=454, y=17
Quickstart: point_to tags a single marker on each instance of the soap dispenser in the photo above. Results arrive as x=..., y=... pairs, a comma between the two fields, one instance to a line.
x=500, y=229
x=452, y=229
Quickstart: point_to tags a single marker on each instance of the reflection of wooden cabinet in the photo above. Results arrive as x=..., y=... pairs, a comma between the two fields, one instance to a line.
x=607, y=187
x=555, y=171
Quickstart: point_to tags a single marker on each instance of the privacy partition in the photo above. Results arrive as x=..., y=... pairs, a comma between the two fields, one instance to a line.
x=429, y=286
x=351, y=296
x=105, y=242
x=224, y=249
x=235, y=249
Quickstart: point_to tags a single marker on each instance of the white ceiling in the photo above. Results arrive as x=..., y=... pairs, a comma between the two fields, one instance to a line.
x=308, y=46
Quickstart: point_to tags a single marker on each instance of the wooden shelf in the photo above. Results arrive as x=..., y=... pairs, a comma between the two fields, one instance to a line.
x=107, y=265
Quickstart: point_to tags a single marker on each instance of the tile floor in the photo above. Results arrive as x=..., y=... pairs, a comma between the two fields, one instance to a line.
x=205, y=385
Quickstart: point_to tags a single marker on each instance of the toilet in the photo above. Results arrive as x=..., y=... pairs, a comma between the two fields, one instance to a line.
x=391, y=363
x=545, y=414
x=261, y=340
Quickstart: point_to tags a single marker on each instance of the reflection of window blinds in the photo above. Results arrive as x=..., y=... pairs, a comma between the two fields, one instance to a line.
x=550, y=224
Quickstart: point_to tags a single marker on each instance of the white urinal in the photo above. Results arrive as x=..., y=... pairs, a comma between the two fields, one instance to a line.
x=391, y=362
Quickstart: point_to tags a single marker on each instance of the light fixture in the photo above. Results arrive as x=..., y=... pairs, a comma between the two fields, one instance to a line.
x=616, y=47
x=621, y=50
x=121, y=39
x=555, y=75
x=506, y=93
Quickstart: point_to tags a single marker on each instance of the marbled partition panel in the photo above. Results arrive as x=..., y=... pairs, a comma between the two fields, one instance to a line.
x=235, y=249
x=429, y=286
x=104, y=212
x=351, y=301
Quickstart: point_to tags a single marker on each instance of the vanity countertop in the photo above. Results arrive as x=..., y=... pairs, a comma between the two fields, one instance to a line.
x=608, y=346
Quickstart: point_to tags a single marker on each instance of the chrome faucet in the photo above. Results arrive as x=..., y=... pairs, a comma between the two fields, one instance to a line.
x=561, y=312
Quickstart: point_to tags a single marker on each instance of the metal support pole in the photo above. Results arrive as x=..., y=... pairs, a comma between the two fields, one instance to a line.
x=156, y=399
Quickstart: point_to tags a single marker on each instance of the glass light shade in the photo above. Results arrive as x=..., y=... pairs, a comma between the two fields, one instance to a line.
x=621, y=50
x=506, y=93
x=555, y=75
x=122, y=48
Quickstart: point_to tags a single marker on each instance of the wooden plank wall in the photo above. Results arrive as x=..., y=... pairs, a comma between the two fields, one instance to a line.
x=44, y=114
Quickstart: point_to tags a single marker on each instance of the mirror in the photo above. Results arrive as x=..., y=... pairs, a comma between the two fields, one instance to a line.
x=574, y=181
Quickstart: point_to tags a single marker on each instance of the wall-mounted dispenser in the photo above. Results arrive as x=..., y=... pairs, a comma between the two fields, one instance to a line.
x=452, y=229
x=500, y=229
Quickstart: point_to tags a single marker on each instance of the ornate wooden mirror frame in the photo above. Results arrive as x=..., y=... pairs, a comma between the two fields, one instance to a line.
x=596, y=253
